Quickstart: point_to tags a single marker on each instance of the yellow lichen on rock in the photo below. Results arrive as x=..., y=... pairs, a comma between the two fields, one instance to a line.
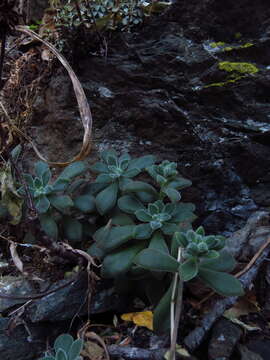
x=217, y=44
x=240, y=67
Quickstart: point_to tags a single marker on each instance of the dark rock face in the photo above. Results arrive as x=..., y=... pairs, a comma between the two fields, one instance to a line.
x=225, y=336
x=22, y=344
x=221, y=19
x=36, y=9
x=161, y=90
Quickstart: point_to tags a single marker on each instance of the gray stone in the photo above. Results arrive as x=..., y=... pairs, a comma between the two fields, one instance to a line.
x=72, y=301
x=245, y=242
x=246, y=354
x=224, y=338
x=19, y=344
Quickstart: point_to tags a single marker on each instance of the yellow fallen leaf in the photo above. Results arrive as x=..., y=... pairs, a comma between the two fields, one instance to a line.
x=144, y=318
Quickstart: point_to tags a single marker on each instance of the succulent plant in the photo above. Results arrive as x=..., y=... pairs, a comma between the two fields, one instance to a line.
x=169, y=180
x=115, y=173
x=203, y=258
x=66, y=348
x=53, y=200
x=196, y=244
x=44, y=193
x=120, y=244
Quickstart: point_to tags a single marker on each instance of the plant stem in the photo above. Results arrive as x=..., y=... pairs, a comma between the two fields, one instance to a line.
x=176, y=307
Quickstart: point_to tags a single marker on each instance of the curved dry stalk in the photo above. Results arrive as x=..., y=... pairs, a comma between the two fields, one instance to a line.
x=83, y=105
x=176, y=308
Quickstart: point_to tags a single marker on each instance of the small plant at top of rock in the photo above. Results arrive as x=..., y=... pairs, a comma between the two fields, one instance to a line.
x=65, y=348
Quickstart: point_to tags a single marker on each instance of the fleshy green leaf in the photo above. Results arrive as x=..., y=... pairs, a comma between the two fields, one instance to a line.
x=183, y=212
x=181, y=239
x=93, y=188
x=42, y=171
x=106, y=199
x=154, y=209
x=141, y=162
x=102, y=234
x=42, y=204
x=99, y=167
x=221, y=282
x=15, y=153
x=61, y=202
x=129, y=204
x=225, y=262
x=169, y=228
x=49, y=225
x=131, y=173
x=124, y=161
x=120, y=261
x=118, y=236
x=122, y=219
x=180, y=183
x=161, y=321
x=200, y=231
x=96, y=251
x=142, y=231
x=64, y=342
x=172, y=194
x=72, y=170
x=75, y=349
x=107, y=154
x=60, y=184
x=104, y=178
x=72, y=229
x=158, y=243
x=145, y=197
x=189, y=269
x=75, y=185
x=156, y=260
x=61, y=355
x=212, y=254
x=143, y=215
x=85, y=203
x=29, y=180
x=123, y=181
x=138, y=186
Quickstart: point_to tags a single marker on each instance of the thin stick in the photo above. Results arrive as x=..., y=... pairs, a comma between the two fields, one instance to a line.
x=176, y=307
x=3, y=48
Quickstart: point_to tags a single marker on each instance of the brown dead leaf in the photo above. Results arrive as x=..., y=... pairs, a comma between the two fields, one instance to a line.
x=243, y=306
x=93, y=336
x=92, y=351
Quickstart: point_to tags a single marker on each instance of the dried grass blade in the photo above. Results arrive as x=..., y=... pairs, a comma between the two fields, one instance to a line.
x=83, y=105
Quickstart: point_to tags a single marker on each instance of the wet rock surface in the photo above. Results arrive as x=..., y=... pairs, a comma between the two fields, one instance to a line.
x=23, y=343
x=151, y=94
x=72, y=301
x=225, y=335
